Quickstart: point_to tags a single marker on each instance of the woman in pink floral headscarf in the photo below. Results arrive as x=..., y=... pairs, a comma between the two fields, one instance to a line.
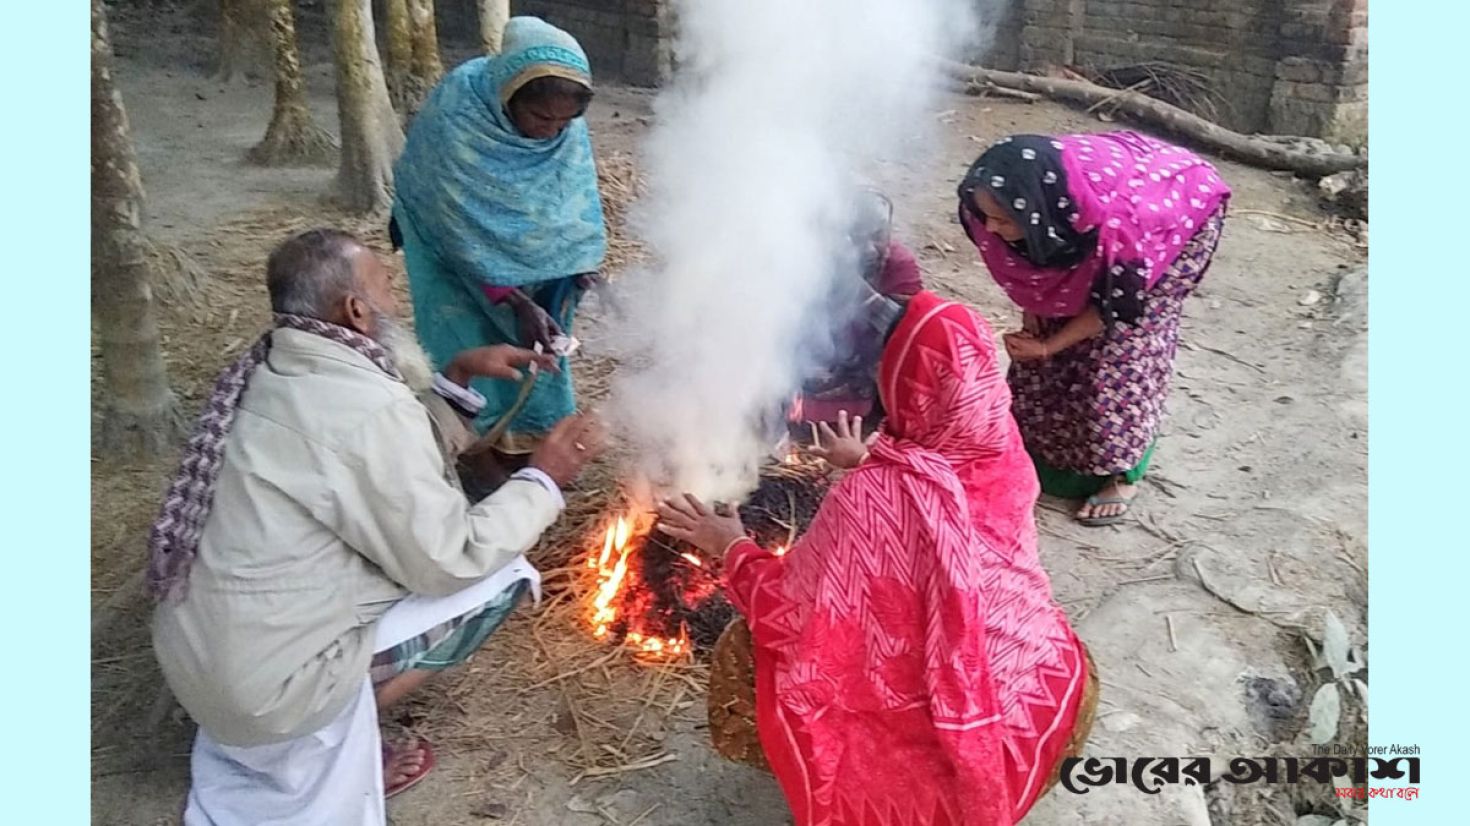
x=1098, y=239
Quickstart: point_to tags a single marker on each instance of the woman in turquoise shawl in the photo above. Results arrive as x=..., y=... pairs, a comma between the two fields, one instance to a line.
x=498, y=215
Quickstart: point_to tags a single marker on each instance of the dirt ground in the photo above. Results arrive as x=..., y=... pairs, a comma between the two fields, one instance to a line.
x=1253, y=523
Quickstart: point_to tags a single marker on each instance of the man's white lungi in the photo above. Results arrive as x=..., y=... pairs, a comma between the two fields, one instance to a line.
x=333, y=776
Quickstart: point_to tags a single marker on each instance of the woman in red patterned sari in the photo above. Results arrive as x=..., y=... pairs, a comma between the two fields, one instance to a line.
x=911, y=666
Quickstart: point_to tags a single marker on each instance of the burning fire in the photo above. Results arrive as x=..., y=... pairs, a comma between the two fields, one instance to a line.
x=612, y=567
x=662, y=598
x=798, y=409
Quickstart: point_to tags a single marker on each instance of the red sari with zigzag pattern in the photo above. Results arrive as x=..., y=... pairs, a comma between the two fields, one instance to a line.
x=911, y=665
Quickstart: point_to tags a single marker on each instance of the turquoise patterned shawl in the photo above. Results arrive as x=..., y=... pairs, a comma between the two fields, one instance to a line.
x=495, y=207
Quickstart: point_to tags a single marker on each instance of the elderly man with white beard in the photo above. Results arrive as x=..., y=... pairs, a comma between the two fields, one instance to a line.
x=315, y=559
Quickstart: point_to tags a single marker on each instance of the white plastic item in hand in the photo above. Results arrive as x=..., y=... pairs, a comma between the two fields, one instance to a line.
x=564, y=345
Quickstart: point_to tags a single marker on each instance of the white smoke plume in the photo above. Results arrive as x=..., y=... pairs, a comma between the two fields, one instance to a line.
x=779, y=111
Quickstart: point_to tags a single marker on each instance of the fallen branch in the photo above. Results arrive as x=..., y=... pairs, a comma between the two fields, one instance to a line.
x=1110, y=99
x=992, y=90
x=1241, y=147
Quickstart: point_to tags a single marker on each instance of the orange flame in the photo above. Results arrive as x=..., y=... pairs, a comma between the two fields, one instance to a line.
x=610, y=578
x=798, y=409
x=611, y=565
x=780, y=550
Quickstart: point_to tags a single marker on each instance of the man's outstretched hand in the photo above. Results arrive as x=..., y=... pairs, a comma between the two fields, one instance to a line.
x=575, y=441
x=500, y=361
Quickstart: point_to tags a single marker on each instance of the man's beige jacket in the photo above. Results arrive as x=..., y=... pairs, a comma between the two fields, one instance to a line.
x=337, y=498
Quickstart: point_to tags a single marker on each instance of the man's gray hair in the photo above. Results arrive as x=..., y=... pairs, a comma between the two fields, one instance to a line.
x=311, y=273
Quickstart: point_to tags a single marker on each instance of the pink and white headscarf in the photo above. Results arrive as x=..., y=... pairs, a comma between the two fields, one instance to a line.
x=1092, y=208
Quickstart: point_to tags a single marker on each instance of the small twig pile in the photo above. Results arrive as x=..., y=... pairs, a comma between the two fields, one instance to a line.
x=1188, y=89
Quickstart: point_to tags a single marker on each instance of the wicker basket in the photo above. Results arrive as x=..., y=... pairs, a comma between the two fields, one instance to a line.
x=732, y=726
x=1082, y=728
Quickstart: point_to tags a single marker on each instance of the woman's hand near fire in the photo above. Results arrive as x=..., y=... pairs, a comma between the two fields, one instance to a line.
x=843, y=448
x=687, y=519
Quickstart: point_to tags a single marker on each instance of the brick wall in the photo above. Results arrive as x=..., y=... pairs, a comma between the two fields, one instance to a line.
x=1296, y=67
x=1000, y=24
x=628, y=40
x=1322, y=78
x=1283, y=66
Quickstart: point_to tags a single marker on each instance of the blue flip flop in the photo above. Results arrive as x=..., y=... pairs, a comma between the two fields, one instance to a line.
x=1104, y=521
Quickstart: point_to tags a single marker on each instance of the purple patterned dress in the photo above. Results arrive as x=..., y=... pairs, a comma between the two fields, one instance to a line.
x=1095, y=408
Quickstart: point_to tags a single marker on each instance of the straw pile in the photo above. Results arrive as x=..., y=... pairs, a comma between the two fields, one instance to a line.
x=618, y=178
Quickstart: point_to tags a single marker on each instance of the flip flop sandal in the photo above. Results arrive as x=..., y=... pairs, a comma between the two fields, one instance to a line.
x=1104, y=521
x=426, y=766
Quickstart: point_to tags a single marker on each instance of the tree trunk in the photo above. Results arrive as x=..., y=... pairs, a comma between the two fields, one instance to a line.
x=400, y=54
x=140, y=413
x=242, y=46
x=422, y=69
x=371, y=136
x=494, y=14
x=1249, y=150
x=292, y=137
x=426, y=66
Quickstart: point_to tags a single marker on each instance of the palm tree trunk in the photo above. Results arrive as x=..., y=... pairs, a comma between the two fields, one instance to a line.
x=427, y=68
x=292, y=137
x=371, y=136
x=140, y=412
x=240, y=41
x=400, y=53
x=494, y=14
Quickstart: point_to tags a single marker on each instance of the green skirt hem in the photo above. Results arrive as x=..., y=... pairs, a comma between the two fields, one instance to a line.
x=1068, y=484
